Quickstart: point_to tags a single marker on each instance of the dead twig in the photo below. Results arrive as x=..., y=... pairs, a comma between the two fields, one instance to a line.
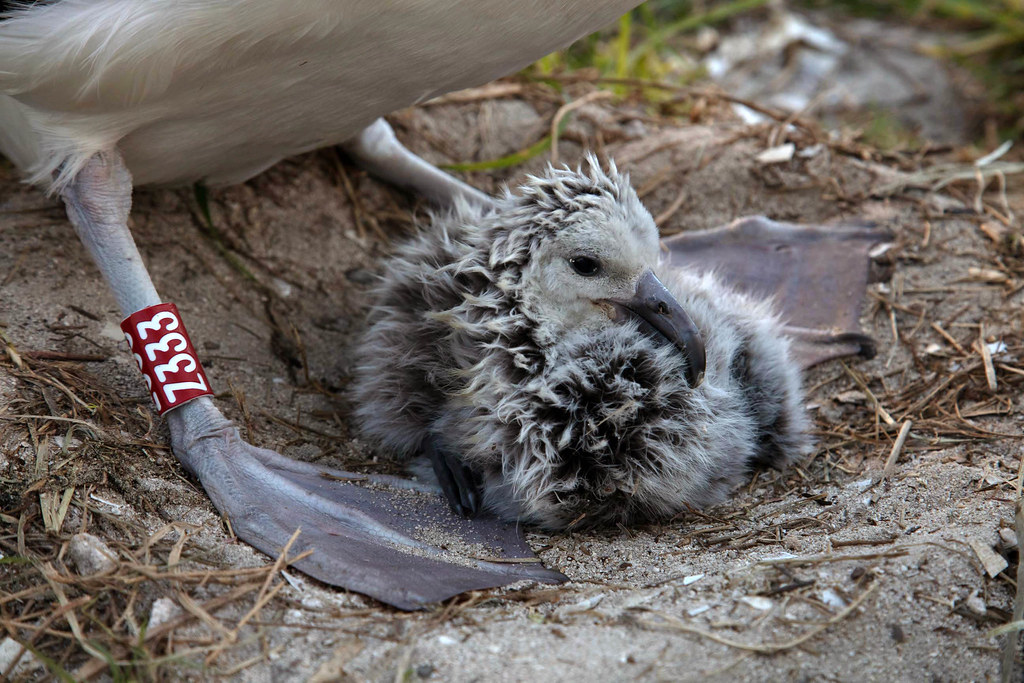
x=897, y=448
x=565, y=109
x=986, y=359
x=864, y=541
x=949, y=338
x=672, y=208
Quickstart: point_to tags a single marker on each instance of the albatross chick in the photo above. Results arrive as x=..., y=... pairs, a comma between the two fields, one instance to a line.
x=532, y=355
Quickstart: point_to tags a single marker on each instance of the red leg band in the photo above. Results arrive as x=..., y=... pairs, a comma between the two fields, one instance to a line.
x=160, y=344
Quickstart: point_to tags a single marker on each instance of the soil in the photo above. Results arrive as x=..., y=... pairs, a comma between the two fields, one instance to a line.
x=826, y=571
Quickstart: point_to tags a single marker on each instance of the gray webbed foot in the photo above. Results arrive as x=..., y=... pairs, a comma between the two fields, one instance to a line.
x=817, y=275
x=363, y=529
x=460, y=484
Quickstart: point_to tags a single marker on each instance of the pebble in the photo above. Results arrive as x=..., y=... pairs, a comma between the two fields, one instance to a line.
x=90, y=555
x=831, y=598
x=758, y=602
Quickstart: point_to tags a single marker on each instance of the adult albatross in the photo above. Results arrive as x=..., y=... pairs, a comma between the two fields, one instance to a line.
x=98, y=95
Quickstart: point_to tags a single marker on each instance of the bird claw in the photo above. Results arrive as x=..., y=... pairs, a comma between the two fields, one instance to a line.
x=460, y=484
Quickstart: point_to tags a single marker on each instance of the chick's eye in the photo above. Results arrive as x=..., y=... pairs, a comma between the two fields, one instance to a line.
x=585, y=265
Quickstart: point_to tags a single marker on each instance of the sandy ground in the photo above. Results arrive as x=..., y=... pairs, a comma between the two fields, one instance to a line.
x=821, y=572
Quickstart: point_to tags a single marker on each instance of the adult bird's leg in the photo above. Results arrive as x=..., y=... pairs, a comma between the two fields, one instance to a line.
x=361, y=537
x=377, y=150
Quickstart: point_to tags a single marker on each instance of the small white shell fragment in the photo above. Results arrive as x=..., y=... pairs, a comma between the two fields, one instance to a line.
x=812, y=151
x=780, y=556
x=993, y=480
x=707, y=39
x=283, y=288
x=163, y=611
x=693, y=578
x=73, y=442
x=777, y=155
x=294, y=581
x=694, y=611
x=758, y=602
x=90, y=555
x=446, y=640
x=831, y=598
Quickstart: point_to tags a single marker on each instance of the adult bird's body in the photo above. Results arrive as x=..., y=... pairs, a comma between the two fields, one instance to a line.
x=98, y=95
x=530, y=351
x=218, y=90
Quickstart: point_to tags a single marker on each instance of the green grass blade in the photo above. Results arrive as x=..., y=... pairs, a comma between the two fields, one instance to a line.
x=513, y=159
x=715, y=15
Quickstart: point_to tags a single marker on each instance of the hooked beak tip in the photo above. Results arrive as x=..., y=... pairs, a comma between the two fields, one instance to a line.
x=654, y=305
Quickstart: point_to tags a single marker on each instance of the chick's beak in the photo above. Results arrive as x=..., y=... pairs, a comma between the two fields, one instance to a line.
x=655, y=307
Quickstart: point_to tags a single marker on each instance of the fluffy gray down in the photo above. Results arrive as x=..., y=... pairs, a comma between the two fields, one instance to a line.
x=570, y=423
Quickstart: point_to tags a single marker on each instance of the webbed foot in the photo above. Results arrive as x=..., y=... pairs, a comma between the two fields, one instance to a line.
x=817, y=275
x=365, y=531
